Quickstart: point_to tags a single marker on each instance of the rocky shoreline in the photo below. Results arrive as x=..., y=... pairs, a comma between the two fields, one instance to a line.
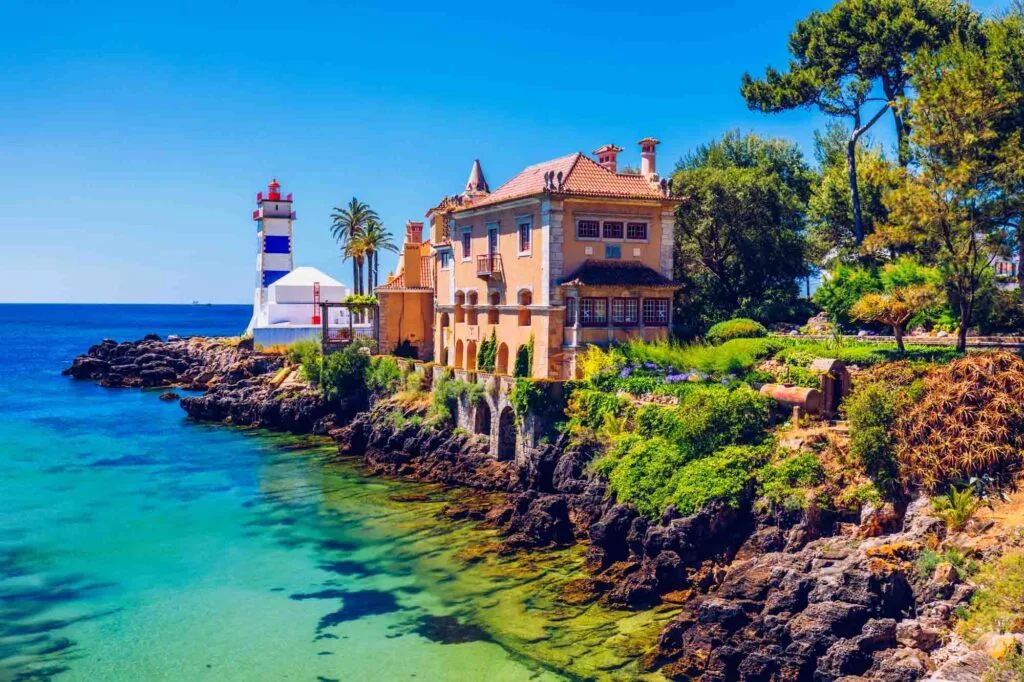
x=764, y=596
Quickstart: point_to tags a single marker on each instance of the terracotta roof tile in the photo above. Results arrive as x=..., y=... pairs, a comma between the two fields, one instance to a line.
x=581, y=176
x=598, y=273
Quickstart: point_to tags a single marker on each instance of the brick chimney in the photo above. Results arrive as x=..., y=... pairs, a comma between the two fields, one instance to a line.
x=607, y=156
x=413, y=233
x=647, y=154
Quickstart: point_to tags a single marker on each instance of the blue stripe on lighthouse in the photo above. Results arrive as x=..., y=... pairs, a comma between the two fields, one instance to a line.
x=273, y=244
x=271, y=276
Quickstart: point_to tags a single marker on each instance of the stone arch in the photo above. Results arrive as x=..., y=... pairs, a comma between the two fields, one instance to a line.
x=471, y=356
x=507, y=434
x=524, y=298
x=445, y=320
x=501, y=359
x=482, y=418
x=472, y=299
x=460, y=302
x=458, y=354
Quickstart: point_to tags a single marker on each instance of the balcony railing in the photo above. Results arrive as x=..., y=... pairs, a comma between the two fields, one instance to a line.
x=488, y=266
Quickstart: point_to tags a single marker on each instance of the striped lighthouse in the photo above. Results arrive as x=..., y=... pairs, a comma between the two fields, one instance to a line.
x=273, y=217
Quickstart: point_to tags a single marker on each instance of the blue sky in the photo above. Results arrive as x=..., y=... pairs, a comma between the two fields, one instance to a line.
x=134, y=138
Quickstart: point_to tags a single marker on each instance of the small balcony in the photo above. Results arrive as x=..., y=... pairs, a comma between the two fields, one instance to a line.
x=488, y=266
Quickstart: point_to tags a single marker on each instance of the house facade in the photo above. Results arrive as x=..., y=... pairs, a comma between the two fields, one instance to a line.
x=568, y=252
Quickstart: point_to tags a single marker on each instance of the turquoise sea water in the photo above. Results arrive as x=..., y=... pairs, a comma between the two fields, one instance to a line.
x=136, y=545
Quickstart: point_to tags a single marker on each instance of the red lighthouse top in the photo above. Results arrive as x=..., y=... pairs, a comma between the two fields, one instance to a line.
x=274, y=190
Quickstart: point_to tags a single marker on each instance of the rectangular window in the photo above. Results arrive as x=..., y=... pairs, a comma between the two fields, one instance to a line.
x=588, y=229
x=594, y=312
x=467, y=244
x=636, y=231
x=446, y=259
x=656, y=312
x=570, y=312
x=612, y=251
x=612, y=230
x=524, y=237
x=625, y=311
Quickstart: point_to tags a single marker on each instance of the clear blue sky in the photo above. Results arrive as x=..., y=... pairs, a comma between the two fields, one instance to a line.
x=134, y=138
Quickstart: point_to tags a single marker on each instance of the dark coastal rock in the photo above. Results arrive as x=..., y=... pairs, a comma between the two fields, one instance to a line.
x=169, y=396
x=538, y=520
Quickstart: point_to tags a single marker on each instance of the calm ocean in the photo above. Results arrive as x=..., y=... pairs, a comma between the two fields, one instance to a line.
x=136, y=545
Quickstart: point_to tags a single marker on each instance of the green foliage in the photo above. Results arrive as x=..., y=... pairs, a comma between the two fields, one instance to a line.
x=360, y=299
x=784, y=483
x=343, y=375
x=488, y=353
x=845, y=285
x=647, y=466
x=724, y=476
x=414, y=382
x=737, y=328
x=383, y=376
x=740, y=238
x=998, y=605
x=524, y=360
x=307, y=354
x=957, y=506
x=445, y=399
x=594, y=360
x=525, y=397
x=929, y=560
x=872, y=409
x=735, y=356
x=587, y=409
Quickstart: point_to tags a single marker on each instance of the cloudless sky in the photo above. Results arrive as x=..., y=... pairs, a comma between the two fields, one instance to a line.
x=134, y=136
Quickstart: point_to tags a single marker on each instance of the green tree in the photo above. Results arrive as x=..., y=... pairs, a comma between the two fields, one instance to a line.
x=952, y=206
x=831, y=233
x=842, y=56
x=739, y=238
x=348, y=224
x=372, y=241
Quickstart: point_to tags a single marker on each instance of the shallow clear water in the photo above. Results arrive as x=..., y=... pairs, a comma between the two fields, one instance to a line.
x=136, y=545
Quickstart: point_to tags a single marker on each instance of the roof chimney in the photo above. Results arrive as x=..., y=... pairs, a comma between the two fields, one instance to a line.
x=606, y=156
x=413, y=233
x=476, y=185
x=647, y=167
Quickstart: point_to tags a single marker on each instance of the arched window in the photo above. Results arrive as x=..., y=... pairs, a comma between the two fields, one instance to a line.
x=460, y=301
x=501, y=361
x=492, y=313
x=471, y=355
x=458, y=354
x=525, y=299
x=472, y=302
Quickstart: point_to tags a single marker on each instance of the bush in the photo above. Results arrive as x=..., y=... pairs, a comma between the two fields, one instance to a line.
x=784, y=483
x=998, y=605
x=488, y=353
x=524, y=360
x=344, y=373
x=735, y=356
x=307, y=355
x=739, y=328
x=383, y=377
x=929, y=560
x=843, y=287
x=525, y=397
x=968, y=422
x=594, y=360
x=405, y=349
x=872, y=410
x=445, y=399
x=725, y=476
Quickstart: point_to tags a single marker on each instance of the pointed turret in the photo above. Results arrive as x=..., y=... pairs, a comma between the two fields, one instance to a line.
x=476, y=185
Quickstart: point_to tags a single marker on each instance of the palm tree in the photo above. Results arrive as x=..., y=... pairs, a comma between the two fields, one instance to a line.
x=374, y=240
x=348, y=223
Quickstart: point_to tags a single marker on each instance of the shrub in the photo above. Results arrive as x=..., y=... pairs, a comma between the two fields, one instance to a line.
x=968, y=422
x=957, y=507
x=872, y=409
x=739, y=328
x=525, y=397
x=998, y=605
x=587, y=408
x=735, y=356
x=524, y=360
x=383, y=376
x=488, y=353
x=784, y=483
x=725, y=476
x=360, y=299
x=445, y=399
x=414, y=382
x=344, y=373
x=307, y=355
x=594, y=360
x=929, y=560
x=843, y=287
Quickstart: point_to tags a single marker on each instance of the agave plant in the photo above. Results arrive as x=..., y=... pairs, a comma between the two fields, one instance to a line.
x=957, y=507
